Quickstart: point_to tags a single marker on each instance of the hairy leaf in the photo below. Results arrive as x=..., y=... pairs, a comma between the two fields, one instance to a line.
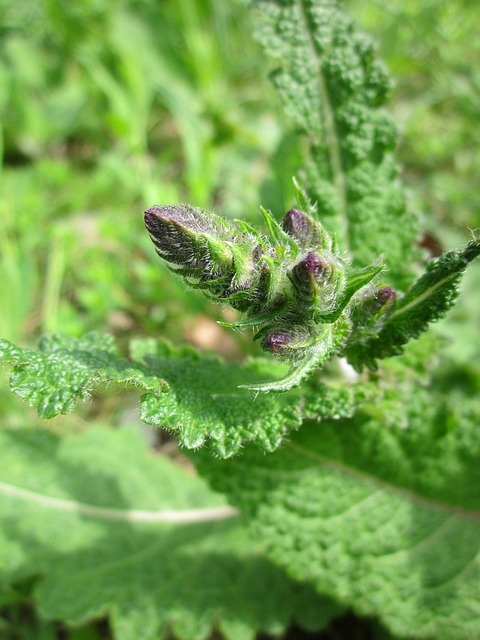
x=383, y=516
x=145, y=543
x=197, y=397
x=428, y=300
x=333, y=87
x=206, y=402
x=65, y=370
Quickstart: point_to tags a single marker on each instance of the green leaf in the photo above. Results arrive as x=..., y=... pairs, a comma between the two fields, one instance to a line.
x=356, y=280
x=333, y=88
x=66, y=370
x=206, y=403
x=145, y=543
x=196, y=397
x=428, y=300
x=384, y=516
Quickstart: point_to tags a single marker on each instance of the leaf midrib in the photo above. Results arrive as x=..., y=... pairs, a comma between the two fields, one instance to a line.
x=167, y=516
x=332, y=141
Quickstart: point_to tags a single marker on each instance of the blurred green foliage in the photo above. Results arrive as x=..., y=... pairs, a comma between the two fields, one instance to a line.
x=107, y=107
x=433, y=53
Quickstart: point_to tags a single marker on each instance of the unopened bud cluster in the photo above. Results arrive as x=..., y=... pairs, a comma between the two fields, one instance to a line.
x=287, y=284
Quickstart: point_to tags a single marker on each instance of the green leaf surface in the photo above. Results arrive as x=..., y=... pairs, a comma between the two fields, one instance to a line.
x=206, y=403
x=196, y=397
x=65, y=370
x=333, y=87
x=428, y=300
x=384, y=517
x=111, y=529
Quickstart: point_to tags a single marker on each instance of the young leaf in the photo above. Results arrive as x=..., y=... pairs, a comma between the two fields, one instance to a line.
x=146, y=544
x=384, y=518
x=333, y=88
x=196, y=397
x=428, y=300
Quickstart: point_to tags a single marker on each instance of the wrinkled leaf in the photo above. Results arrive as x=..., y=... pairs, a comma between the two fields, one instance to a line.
x=381, y=511
x=333, y=88
x=197, y=397
x=427, y=300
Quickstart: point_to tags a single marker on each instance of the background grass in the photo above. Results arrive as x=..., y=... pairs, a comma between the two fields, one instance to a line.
x=110, y=106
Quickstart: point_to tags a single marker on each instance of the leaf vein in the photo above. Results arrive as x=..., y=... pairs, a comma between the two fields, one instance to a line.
x=184, y=516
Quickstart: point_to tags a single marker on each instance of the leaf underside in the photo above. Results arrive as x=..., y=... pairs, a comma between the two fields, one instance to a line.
x=150, y=577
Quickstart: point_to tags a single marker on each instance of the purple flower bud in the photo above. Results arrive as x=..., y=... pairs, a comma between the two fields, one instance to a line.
x=187, y=217
x=375, y=307
x=288, y=343
x=297, y=223
x=384, y=295
x=308, y=232
x=186, y=237
x=277, y=340
x=310, y=270
x=318, y=280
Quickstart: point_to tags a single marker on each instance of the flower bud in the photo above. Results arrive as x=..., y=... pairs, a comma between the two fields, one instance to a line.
x=375, y=307
x=318, y=280
x=310, y=271
x=186, y=237
x=222, y=258
x=305, y=230
x=287, y=343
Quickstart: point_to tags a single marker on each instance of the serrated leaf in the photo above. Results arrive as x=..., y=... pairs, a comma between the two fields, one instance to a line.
x=66, y=370
x=384, y=517
x=206, y=403
x=332, y=86
x=112, y=530
x=427, y=301
x=196, y=397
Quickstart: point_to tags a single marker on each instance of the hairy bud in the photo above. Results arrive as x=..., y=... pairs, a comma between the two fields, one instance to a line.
x=375, y=308
x=305, y=230
x=288, y=343
x=184, y=237
x=221, y=258
x=318, y=280
x=310, y=271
